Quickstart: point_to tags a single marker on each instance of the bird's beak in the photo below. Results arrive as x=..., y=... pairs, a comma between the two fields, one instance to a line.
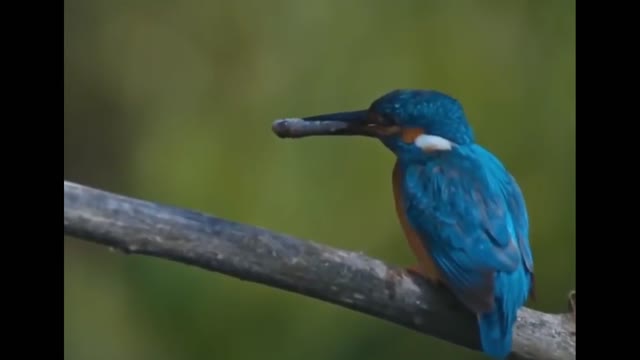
x=360, y=122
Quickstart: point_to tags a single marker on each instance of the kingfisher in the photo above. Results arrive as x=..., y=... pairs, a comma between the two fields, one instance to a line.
x=462, y=212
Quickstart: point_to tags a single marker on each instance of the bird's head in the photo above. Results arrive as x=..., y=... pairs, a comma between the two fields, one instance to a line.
x=411, y=123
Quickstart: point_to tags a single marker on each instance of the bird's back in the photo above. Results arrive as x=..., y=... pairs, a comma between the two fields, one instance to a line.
x=470, y=217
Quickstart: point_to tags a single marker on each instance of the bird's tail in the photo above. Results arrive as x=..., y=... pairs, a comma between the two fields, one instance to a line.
x=496, y=327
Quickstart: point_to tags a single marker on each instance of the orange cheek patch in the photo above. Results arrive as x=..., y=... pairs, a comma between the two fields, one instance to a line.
x=410, y=135
x=374, y=118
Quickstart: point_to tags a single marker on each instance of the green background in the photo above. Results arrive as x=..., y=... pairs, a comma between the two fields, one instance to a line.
x=172, y=101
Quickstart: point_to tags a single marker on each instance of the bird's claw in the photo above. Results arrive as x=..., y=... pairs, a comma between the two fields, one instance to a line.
x=415, y=270
x=419, y=272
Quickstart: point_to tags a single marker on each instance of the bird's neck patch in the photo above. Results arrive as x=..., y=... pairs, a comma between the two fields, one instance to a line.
x=430, y=143
x=427, y=143
x=409, y=135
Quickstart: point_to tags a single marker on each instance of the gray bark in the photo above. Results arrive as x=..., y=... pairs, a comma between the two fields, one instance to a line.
x=345, y=278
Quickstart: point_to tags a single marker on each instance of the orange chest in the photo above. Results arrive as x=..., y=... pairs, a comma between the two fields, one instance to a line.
x=416, y=243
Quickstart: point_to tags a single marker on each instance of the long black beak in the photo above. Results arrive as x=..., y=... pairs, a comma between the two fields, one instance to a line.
x=358, y=117
x=343, y=123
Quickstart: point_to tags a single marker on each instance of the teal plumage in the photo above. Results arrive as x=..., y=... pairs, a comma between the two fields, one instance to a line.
x=463, y=213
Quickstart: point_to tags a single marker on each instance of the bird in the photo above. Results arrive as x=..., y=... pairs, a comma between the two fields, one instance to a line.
x=462, y=212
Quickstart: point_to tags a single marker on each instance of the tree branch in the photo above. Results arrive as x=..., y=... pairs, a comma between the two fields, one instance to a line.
x=345, y=278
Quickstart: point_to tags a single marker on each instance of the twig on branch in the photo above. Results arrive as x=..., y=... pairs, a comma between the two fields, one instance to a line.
x=345, y=278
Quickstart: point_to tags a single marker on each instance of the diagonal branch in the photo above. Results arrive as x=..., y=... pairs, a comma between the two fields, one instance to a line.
x=341, y=277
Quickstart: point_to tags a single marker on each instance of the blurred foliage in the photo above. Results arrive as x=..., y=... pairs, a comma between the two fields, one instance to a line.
x=173, y=102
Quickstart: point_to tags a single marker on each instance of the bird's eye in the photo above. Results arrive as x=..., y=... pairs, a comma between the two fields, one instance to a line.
x=388, y=121
x=379, y=119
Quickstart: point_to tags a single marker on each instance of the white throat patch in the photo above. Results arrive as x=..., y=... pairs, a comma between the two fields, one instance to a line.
x=432, y=143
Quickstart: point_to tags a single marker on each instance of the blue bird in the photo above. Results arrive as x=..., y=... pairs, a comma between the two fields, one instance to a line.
x=462, y=212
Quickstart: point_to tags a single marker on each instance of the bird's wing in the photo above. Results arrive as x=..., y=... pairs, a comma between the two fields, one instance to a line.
x=517, y=208
x=458, y=207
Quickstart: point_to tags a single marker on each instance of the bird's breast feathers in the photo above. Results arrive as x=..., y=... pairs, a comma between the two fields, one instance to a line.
x=469, y=215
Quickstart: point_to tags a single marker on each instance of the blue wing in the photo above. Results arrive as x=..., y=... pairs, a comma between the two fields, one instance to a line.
x=471, y=217
x=517, y=209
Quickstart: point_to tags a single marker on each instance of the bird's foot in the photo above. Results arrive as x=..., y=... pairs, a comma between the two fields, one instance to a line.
x=416, y=270
x=419, y=271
